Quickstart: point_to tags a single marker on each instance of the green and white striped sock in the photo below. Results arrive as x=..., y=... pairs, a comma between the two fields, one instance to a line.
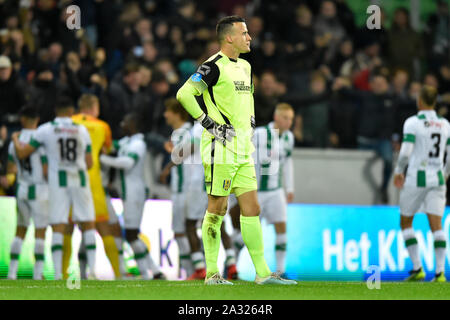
x=280, y=251
x=89, y=241
x=16, y=247
x=413, y=249
x=57, y=246
x=439, y=250
x=39, y=257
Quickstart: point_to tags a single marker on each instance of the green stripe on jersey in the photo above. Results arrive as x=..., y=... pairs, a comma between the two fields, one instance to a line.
x=35, y=144
x=180, y=177
x=441, y=178
x=409, y=138
x=44, y=160
x=88, y=148
x=421, y=117
x=82, y=178
x=264, y=177
x=134, y=156
x=122, y=183
x=10, y=158
x=421, y=178
x=62, y=175
x=280, y=175
x=448, y=141
x=31, y=192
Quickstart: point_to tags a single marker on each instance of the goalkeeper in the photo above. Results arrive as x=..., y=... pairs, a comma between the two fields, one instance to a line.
x=220, y=96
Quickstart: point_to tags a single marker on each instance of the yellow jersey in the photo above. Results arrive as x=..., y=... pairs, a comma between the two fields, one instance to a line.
x=101, y=137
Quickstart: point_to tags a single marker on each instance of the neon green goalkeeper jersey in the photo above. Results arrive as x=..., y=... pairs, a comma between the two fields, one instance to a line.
x=223, y=88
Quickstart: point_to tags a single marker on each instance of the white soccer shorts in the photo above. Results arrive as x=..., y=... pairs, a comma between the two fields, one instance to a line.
x=133, y=209
x=179, y=212
x=196, y=204
x=273, y=205
x=34, y=209
x=429, y=200
x=78, y=198
x=112, y=216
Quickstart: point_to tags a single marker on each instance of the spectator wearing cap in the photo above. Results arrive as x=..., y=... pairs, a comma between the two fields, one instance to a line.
x=12, y=96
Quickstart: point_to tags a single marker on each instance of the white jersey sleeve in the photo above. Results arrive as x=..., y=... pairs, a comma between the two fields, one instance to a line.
x=289, y=165
x=409, y=138
x=86, y=139
x=123, y=162
x=11, y=151
x=447, y=149
x=259, y=140
x=137, y=150
x=40, y=136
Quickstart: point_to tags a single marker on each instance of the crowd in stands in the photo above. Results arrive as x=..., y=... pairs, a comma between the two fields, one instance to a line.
x=351, y=87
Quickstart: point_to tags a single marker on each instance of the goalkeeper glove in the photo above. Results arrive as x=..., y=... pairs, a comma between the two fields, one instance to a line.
x=222, y=132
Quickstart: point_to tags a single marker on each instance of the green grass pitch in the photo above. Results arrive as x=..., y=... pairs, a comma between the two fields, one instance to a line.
x=196, y=290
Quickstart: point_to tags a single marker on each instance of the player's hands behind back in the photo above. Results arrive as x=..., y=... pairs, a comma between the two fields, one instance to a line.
x=399, y=180
x=222, y=132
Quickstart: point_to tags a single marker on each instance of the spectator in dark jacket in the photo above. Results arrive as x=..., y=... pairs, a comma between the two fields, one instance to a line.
x=125, y=96
x=12, y=96
x=376, y=124
x=266, y=98
x=313, y=108
x=44, y=92
x=404, y=44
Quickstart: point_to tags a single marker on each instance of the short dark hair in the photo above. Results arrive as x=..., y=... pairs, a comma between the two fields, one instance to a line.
x=136, y=119
x=428, y=95
x=224, y=25
x=130, y=67
x=158, y=77
x=29, y=111
x=173, y=105
x=64, y=102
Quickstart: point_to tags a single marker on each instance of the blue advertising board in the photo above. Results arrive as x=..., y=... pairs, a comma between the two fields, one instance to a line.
x=340, y=242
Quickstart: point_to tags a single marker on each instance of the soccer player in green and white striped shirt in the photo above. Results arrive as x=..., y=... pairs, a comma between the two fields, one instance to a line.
x=275, y=173
x=130, y=162
x=68, y=148
x=177, y=118
x=31, y=194
x=425, y=140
